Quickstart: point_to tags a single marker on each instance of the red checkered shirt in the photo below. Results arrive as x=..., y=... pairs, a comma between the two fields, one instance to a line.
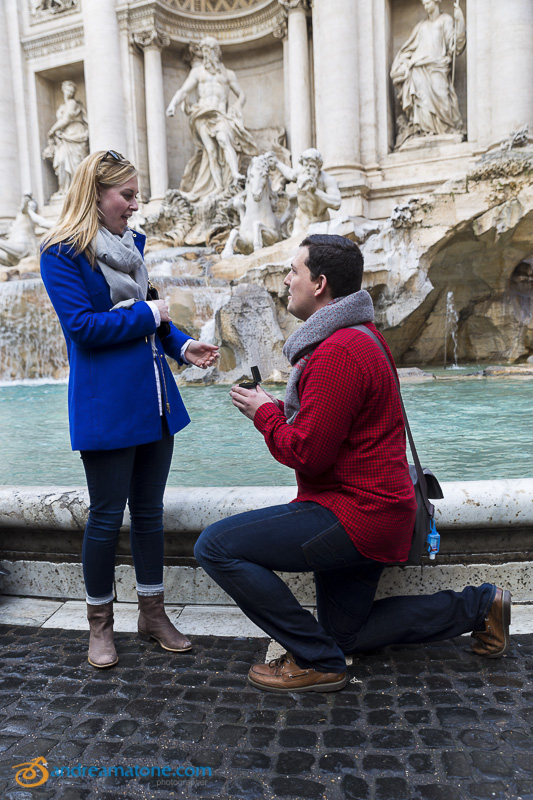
x=347, y=443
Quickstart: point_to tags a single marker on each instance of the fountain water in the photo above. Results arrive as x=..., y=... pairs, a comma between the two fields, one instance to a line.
x=450, y=329
x=31, y=342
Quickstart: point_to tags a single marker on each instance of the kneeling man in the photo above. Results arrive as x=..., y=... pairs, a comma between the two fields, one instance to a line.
x=341, y=429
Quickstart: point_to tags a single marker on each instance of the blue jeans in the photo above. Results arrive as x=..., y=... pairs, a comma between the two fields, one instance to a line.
x=241, y=553
x=136, y=475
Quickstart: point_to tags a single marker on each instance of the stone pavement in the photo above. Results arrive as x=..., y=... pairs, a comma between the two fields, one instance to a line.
x=430, y=722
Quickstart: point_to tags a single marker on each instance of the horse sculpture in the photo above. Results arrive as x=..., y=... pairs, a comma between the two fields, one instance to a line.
x=259, y=226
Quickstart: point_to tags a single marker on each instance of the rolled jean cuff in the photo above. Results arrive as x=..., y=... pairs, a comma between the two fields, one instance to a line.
x=100, y=601
x=149, y=589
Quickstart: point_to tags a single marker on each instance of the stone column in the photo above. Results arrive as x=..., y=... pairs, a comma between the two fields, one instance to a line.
x=281, y=33
x=103, y=77
x=512, y=66
x=478, y=71
x=299, y=78
x=10, y=196
x=151, y=42
x=335, y=38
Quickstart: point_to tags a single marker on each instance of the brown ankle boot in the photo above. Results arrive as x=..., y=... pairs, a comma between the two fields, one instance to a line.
x=102, y=651
x=154, y=624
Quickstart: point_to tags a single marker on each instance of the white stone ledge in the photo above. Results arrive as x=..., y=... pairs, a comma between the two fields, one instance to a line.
x=186, y=585
x=467, y=505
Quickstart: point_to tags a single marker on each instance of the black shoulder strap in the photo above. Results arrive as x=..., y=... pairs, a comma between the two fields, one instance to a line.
x=419, y=471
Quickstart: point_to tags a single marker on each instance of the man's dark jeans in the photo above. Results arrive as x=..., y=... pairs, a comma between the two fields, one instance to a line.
x=241, y=553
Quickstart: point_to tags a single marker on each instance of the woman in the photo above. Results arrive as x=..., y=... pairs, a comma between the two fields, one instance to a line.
x=124, y=405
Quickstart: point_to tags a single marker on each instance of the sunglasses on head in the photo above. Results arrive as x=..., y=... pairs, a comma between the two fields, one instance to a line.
x=113, y=155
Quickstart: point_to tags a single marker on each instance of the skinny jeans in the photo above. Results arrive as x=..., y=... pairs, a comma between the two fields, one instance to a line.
x=241, y=553
x=135, y=475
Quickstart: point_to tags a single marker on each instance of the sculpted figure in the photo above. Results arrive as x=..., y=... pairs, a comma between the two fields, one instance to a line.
x=54, y=5
x=317, y=191
x=21, y=241
x=216, y=124
x=259, y=225
x=423, y=73
x=68, y=138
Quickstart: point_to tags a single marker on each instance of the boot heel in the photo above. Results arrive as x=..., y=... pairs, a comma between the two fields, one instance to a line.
x=144, y=636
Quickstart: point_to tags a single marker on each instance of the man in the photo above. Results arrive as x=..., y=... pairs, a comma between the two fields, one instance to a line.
x=216, y=125
x=341, y=429
x=316, y=191
x=421, y=74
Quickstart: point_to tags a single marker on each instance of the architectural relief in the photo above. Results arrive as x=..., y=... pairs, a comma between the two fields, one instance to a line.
x=423, y=73
x=216, y=123
x=289, y=4
x=316, y=191
x=68, y=138
x=39, y=7
x=213, y=6
x=151, y=38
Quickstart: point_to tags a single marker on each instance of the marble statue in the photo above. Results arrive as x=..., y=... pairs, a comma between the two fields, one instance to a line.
x=423, y=73
x=21, y=240
x=259, y=225
x=68, y=138
x=316, y=191
x=216, y=123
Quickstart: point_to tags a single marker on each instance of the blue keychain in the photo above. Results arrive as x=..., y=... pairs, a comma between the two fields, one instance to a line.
x=433, y=540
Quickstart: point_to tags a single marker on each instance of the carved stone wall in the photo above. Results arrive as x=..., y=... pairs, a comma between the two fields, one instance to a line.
x=213, y=6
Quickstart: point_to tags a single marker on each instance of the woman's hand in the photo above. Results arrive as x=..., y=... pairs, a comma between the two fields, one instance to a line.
x=201, y=354
x=249, y=400
x=163, y=310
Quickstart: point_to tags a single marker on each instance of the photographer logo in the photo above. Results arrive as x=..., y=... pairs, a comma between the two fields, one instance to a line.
x=33, y=773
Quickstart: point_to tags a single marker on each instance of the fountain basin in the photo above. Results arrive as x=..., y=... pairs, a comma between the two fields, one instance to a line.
x=486, y=535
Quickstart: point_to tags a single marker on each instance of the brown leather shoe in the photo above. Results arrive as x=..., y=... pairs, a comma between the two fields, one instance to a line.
x=154, y=624
x=493, y=641
x=102, y=651
x=284, y=675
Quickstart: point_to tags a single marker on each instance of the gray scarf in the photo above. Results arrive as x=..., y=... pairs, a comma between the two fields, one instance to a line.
x=122, y=266
x=343, y=312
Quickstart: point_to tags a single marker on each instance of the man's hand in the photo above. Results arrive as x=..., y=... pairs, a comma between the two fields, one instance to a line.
x=201, y=354
x=249, y=400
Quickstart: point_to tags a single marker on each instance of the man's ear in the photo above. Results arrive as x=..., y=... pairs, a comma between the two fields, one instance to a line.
x=322, y=286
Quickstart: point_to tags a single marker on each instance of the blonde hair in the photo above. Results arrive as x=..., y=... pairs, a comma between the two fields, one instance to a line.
x=78, y=222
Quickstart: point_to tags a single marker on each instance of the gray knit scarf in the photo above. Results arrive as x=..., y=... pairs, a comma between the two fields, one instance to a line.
x=343, y=312
x=122, y=266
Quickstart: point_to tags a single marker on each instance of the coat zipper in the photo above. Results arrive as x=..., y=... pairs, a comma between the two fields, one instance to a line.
x=164, y=382
x=156, y=354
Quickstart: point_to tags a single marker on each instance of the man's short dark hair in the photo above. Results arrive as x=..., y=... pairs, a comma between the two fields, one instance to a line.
x=338, y=258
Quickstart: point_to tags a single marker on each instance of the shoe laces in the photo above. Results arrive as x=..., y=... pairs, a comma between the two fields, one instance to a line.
x=277, y=663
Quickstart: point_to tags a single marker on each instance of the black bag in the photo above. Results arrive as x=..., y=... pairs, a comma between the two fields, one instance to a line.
x=152, y=294
x=425, y=537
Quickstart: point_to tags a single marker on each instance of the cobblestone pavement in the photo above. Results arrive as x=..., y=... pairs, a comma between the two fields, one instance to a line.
x=429, y=722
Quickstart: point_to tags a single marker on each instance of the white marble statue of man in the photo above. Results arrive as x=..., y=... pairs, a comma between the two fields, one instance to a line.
x=316, y=191
x=422, y=74
x=68, y=138
x=216, y=124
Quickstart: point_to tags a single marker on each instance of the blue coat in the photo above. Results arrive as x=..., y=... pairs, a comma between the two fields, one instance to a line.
x=112, y=390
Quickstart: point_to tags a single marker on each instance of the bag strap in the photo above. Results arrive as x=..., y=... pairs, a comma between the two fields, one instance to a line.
x=419, y=471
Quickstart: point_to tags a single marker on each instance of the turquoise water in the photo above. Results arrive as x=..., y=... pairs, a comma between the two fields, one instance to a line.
x=464, y=430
